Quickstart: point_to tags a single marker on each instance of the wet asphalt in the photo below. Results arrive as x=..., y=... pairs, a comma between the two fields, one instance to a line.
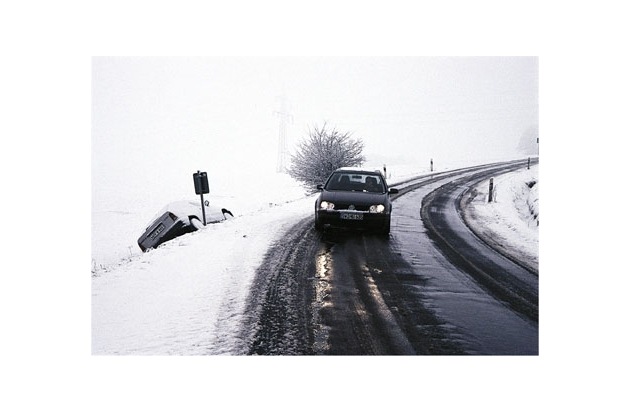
x=430, y=288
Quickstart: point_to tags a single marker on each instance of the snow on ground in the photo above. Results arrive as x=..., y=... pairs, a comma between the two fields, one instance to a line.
x=119, y=219
x=187, y=296
x=511, y=219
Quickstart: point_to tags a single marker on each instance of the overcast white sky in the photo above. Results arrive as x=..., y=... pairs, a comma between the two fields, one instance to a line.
x=164, y=116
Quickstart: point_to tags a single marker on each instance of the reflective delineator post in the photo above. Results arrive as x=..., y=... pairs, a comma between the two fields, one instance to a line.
x=490, y=191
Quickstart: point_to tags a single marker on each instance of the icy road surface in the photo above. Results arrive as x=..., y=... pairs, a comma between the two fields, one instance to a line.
x=190, y=296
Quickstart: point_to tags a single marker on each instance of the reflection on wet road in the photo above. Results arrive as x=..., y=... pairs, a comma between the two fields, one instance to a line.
x=353, y=312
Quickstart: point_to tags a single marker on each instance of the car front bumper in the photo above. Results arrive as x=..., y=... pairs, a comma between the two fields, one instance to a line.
x=352, y=219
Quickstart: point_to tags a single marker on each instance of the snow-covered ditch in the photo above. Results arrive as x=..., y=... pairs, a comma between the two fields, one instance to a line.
x=510, y=221
x=187, y=297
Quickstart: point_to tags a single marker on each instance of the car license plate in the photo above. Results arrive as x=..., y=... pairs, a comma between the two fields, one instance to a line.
x=157, y=231
x=351, y=216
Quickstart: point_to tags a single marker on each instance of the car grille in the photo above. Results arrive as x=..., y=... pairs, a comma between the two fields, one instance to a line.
x=346, y=206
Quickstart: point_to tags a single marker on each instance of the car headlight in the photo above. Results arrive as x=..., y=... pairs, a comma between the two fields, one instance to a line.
x=326, y=205
x=377, y=209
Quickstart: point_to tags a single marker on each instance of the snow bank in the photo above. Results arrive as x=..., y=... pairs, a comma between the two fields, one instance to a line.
x=510, y=221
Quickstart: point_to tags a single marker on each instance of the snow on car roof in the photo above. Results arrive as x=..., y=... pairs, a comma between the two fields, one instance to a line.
x=185, y=208
x=356, y=170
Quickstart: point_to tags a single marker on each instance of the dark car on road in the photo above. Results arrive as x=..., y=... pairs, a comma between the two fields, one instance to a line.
x=354, y=198
x=177, y=219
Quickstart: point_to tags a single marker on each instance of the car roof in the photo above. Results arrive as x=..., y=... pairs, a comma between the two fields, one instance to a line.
x=357, y=170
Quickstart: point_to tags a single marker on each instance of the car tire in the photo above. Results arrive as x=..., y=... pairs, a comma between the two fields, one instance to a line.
x=318, y=226
x=196, y=223
x=386, y=229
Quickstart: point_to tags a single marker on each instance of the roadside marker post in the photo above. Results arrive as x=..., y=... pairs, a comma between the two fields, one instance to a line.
x=490, y=191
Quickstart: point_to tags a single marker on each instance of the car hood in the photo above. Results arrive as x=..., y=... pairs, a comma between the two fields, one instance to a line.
x=362, y=198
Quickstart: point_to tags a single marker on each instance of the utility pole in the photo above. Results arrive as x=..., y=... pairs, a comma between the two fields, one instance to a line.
x=285, y=117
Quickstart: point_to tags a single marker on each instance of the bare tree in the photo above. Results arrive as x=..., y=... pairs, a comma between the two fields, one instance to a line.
x=321, y=153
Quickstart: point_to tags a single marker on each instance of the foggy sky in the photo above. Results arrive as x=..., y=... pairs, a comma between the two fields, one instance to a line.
x=163, y=116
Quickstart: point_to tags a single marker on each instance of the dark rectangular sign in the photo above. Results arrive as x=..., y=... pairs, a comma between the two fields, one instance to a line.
x=201, y=183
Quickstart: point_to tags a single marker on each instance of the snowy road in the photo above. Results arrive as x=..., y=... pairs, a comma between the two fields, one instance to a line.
x=355, y=294
x=266, y=283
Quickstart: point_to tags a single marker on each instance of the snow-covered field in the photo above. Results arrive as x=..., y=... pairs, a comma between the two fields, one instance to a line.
x=187, y=296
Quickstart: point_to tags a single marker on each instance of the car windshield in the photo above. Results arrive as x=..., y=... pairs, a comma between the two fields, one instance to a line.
x=353, y=181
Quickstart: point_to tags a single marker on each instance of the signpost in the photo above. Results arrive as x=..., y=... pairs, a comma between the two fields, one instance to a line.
x=201, y=187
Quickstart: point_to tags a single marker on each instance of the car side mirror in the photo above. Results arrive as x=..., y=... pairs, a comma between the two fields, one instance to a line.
x=320, y=187
x=393, y=191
